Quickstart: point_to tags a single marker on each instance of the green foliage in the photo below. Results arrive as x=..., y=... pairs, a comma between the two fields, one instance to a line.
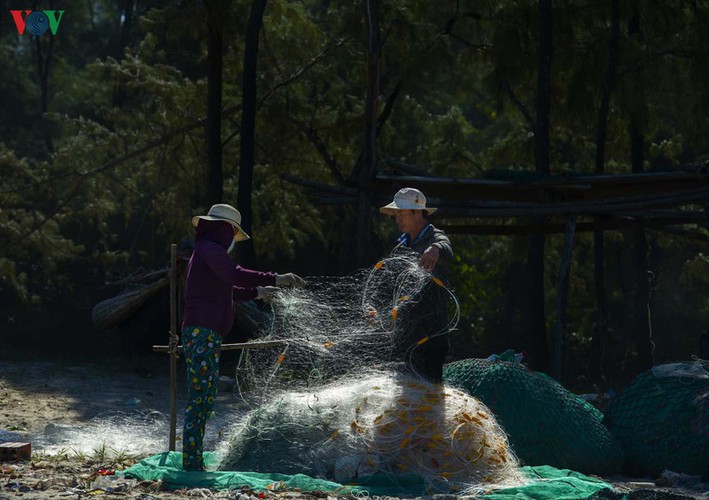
x=34, y=246
x=101, y=182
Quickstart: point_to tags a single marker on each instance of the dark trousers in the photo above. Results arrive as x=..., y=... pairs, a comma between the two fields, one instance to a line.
x=421, y=336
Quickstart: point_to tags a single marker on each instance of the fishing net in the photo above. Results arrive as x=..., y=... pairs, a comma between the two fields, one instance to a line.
x=385, y=423
x=346, y=392
x=546, y=424
x=662, y=420
x=392, y=316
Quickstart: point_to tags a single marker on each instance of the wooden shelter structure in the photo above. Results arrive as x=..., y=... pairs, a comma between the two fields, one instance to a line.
x=655, y=199
x=518, y=203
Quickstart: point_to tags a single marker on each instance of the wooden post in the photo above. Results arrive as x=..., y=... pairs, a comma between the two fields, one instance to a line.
x=561, y=297
x=254, y=344
x=173, y=345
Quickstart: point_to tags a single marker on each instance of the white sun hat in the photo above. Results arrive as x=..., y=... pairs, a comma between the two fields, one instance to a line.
x=226, y=213
x=407, y=199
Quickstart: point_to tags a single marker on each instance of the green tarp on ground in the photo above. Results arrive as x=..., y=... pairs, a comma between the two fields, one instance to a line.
x=167, y=467
x=546, y=482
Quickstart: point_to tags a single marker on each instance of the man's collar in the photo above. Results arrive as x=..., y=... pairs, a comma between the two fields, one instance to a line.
x=406, y=239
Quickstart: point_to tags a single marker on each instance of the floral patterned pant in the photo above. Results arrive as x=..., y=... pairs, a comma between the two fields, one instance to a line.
x=201, y=350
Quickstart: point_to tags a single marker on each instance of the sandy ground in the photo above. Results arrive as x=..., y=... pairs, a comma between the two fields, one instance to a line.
x=81, y=419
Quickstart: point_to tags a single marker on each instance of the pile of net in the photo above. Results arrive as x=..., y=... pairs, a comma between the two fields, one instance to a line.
x=546, y=424
x=662, y=420
x=387, y=423
x=340, y=395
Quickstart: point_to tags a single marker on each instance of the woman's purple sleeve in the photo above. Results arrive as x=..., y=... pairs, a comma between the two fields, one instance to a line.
x=240, y=294
x=218, y=260
x=248, y=278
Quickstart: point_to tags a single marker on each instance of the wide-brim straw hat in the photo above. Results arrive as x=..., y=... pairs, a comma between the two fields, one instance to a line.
x=225, y=213
x=407, y=199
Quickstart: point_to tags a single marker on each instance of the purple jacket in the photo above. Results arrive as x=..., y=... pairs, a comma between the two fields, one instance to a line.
x=214, y=281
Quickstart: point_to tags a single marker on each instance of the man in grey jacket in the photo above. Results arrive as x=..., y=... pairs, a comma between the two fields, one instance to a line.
x=421, y=332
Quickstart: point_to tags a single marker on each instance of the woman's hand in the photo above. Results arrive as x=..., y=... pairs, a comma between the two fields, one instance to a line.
x=266, y=293
x=289, y=279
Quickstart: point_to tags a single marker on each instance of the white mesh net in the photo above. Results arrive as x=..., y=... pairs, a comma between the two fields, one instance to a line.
x=347, y=391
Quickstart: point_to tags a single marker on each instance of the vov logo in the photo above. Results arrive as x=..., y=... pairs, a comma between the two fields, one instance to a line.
x=37, y=22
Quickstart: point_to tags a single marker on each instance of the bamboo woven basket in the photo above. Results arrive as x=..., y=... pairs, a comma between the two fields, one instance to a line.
x=112, y=312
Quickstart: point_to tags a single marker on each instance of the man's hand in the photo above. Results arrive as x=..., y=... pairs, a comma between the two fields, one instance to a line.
x=266, y=293
x=289, y=279
x=429, y=258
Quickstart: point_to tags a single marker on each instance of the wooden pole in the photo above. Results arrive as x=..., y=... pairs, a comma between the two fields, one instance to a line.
x=173, y=345
x=619, y=221
x=232, y=347
x=561, y=298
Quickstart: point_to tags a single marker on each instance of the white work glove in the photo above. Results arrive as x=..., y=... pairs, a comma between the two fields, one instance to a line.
x=289, y=279
x=266, y=293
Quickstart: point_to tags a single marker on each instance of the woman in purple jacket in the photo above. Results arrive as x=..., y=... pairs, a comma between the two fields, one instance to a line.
x=213, y=283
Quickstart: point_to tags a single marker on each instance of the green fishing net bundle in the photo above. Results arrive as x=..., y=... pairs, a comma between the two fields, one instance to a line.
x=546, y=424
x=662, y=420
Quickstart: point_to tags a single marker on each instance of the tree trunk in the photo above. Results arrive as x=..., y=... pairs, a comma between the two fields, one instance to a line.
x=43, y=65
x=366, y=175
x=642, y=329
x=539, y=356
x=124, y=39
x=600, y=333
x=213, y=125
x=562, y=294
x=246, y=254
x=642, y=332
x=536, y=314
x=119, y=91
x=541, y=128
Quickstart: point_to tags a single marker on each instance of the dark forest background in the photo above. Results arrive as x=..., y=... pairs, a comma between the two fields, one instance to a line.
x=137, y=115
